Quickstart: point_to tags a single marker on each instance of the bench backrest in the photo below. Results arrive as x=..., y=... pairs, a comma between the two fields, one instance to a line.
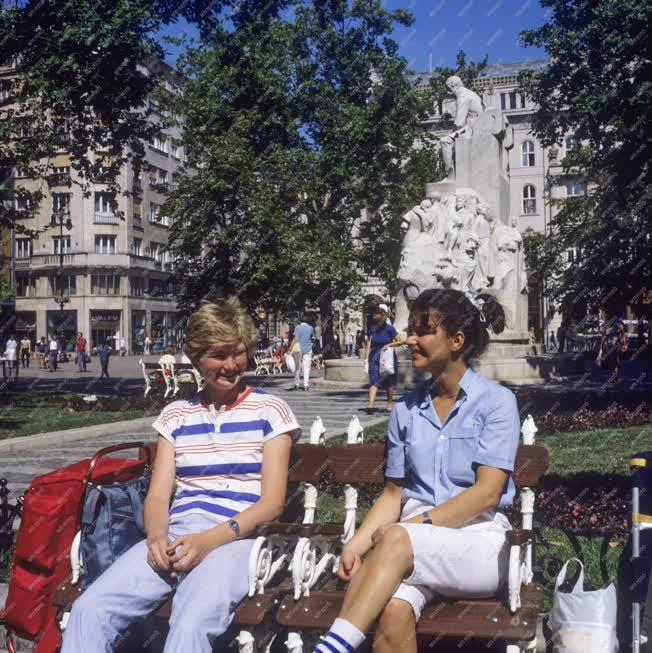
x=358, y=464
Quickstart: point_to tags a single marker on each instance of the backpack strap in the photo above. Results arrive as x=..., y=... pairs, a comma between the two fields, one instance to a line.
x=137, y=506
x=89, y=509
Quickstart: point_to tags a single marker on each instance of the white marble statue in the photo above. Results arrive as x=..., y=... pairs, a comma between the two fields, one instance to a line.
x=468, y=106
x=485, y=224
x=511, y=261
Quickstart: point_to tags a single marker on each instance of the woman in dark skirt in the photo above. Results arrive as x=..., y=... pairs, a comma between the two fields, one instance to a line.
x=381, y=334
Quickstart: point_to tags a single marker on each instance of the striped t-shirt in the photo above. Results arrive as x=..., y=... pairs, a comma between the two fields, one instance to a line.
x=219, y=453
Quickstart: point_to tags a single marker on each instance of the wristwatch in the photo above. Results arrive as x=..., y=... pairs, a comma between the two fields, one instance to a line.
x=235, y=527
x=426, y=518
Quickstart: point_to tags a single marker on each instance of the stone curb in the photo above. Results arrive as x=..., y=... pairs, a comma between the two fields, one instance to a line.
x=37, y=440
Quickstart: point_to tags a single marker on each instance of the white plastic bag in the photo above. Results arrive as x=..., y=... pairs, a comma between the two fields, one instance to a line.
x=386, y=362
x=289, y=361
x=581, y=620
x=366, y=366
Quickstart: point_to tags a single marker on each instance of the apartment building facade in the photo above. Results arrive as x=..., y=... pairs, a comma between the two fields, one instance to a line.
x=90, y=270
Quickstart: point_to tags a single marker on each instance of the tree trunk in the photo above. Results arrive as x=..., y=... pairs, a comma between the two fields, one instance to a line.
x=325, y=304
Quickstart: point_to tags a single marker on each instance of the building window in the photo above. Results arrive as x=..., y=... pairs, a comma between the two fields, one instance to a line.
x=61, y=245
x=529, y=200
x=65, y=284
x=160, y=144
x=137, y=286
x=7, y=87
x=508, y=100
x=61, y=170
x=103, y=203
x=22, y=173
x=571, y=143
x=174, y=150
x=527, y=154
x=156, y=216
x=23, y=247
x=137, y=247
x=155, y=250
x=60, y=206
x=105, y=244
x=25, y=285
x=574, y=188
x=22, y=203
x=105, y=284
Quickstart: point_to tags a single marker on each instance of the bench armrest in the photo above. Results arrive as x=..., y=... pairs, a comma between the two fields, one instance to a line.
x=518, y=536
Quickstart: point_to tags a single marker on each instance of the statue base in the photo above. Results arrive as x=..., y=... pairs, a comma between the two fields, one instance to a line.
x=505, y=361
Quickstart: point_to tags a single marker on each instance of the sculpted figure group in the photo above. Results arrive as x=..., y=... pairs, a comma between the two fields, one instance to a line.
x=455, y=241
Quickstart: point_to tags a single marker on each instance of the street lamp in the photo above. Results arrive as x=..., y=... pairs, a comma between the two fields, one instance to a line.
x=63, y=300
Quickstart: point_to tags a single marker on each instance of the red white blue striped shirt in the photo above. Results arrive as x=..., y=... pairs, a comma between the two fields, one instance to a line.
x=219, y=454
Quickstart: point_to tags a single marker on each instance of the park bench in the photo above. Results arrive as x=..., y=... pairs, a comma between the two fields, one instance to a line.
x=169, y=373
x=293, y=588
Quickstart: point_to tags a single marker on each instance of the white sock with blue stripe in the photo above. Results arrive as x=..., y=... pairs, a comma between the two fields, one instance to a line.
x=343, y=637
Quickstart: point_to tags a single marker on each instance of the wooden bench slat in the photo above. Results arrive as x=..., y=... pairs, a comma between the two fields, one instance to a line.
x=307, y=463
x=300, y=530
x=530, y=465
x=358, y=463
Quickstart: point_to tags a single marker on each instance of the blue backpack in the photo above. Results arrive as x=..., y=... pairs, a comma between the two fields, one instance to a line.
x=111, y=519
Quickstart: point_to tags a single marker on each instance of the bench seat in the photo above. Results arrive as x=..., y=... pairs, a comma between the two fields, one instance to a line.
x=482, y=617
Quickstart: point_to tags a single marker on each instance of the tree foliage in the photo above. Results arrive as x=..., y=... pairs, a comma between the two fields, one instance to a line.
x=295, y=123
x=596, y=86
x=80, y=87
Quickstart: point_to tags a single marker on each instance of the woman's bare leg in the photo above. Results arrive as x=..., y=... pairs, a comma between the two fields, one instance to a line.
x=390, y=398
x=373, y=390
x=379, y=577
x=396, y=630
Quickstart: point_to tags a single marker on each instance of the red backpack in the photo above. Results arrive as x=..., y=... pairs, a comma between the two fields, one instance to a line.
x=51, y=518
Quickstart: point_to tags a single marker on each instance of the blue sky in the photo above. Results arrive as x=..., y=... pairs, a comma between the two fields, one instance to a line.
x=442, y=27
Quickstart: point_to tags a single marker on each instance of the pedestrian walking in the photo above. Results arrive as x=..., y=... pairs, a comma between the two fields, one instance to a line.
x=359, y=341
x=349, y=343
x=25, y=351
x=148, y=345
x=303, y=335
x=11, y=354
x=104, y=352
x=80, y=352
x=54, y=353
x=41, y=350
x=382, y=335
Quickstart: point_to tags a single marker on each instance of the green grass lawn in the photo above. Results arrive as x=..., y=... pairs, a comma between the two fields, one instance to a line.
x=603, y=451
x=28, y=413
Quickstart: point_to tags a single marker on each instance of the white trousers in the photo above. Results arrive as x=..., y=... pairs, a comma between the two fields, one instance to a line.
x=202, y=607
x=306, y=362
x=471, y=561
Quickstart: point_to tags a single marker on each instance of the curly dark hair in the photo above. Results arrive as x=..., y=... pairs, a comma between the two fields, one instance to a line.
x=456, y=312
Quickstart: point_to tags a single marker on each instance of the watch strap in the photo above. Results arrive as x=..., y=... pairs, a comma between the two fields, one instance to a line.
x=426, y=518
x=235, y=527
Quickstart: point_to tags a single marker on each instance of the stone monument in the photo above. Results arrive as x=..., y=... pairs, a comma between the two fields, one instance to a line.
x=462, y=236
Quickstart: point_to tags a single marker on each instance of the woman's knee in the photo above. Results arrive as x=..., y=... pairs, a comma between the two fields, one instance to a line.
x=395, y=545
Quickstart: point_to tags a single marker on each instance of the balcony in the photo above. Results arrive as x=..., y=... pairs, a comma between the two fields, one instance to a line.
x=23, y=263
x=105, y=218
x=57, y=217
x=59, y=179
x=138, y=223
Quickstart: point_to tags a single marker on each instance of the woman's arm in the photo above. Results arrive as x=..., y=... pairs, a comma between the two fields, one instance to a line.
x=385, y=510
x=367, y=346
x=397, y=342
x=483, y=495
x=157, y=504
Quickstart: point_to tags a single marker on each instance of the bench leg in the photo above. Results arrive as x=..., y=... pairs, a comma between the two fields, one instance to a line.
x=294, y=642
x=246, y=642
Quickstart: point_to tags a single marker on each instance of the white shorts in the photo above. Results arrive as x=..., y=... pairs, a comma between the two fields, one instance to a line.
x=467, y=562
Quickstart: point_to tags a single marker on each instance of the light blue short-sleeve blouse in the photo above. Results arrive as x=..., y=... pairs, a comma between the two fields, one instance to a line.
x=437, y=461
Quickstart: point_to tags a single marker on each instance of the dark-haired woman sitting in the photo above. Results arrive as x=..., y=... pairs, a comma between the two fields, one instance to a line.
x=438, y=526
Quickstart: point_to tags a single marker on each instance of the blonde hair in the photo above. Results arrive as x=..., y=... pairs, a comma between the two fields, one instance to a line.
x=216, y=325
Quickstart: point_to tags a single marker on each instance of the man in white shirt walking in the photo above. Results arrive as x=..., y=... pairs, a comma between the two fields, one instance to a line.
x=11, y=352
x=303, y=334
x=54, y=353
